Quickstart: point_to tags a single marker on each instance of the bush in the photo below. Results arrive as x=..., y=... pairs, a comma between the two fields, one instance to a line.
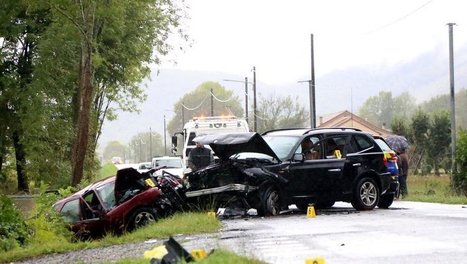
x=46, y=222
x=459, y=179
x=13, y=229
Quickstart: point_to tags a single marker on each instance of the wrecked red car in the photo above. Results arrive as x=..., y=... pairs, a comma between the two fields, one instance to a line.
x=120, y=203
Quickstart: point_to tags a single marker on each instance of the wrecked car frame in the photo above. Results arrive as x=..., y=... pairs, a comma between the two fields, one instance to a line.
x=120, y=203
x=250, y=174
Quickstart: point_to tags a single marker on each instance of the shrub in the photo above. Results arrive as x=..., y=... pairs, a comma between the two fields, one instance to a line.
x=13, y=229
x=46, y=222
x=459, y=179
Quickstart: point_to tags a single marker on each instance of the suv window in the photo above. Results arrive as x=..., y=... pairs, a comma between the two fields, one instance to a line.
x=362, y=142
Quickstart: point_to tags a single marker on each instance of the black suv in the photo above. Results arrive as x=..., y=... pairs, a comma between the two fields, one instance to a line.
x=271, y=171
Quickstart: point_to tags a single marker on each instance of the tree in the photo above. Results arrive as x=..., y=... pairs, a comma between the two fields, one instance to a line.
x=439, y=141
x=274, y=113
x=419, y=134
x=114, y=149
x=381, y=109
x=20, y=30
x=144, y=146
x=459, y=179
x=114, y=43
x=400, y=126
x=200, y=102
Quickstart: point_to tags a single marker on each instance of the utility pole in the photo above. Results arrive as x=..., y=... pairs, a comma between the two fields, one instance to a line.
x=246, y=99
x=212, y=103
x=254, y=101
x=453, y=105
x=165, y=140
x=312, y=89
x=150, y=143
x=183, y=114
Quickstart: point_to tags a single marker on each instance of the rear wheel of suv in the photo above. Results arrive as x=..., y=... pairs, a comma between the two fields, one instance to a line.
x=269, y=201
x=386, y=200
x=366, y=194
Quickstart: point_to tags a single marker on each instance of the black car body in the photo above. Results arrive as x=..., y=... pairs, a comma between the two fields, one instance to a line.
x=269, y=171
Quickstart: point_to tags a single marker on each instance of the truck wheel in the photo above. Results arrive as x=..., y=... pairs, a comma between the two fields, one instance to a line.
x=366, y=194
x=269, y=201
x=141, y=217
x=386, y=200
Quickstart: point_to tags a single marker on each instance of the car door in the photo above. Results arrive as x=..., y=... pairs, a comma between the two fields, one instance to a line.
x=316, y=177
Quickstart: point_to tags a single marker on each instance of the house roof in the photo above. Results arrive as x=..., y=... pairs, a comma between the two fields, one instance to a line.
x=347, y=119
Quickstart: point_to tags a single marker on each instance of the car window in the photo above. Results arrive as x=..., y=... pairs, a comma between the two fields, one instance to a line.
x=70, y=211
x=92, y=200
x=335, y=147
x=363, y=142
x=382, y=144
x=107, y=194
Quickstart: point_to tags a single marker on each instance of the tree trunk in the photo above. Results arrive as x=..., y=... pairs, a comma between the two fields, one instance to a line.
x=85, y=100
x=20, y=163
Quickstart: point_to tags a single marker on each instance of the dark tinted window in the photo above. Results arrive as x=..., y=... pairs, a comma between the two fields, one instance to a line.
x=70, y=211
x=363, y=142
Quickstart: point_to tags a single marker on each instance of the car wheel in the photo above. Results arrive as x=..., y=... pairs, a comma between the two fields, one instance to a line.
x=270, y=202
x=386, y=200
x=302, y=205
x=366, y=194
x=141, y=217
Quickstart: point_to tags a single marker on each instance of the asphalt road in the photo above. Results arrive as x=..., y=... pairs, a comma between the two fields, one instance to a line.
x=408, y=232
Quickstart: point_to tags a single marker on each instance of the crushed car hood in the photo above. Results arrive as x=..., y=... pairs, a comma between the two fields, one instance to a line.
x=226, y=145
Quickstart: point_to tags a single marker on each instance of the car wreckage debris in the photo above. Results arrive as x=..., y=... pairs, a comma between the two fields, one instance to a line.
x=171, y=252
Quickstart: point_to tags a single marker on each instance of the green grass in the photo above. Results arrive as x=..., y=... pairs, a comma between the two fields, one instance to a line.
x=107, y=170
x=180, y=223
x=219, y=256
x=433, y=189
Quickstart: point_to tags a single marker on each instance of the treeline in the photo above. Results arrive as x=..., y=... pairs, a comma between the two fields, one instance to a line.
x=65, y=67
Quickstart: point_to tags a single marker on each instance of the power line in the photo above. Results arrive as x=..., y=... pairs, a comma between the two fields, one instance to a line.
x=399, y=19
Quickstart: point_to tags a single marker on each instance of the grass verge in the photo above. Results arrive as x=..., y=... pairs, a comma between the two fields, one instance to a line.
x=180, y=223
x=433, y=189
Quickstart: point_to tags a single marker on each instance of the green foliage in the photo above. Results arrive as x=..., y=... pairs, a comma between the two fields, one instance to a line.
x=275, y=113
x=438, y=145
x=381, y=109
x=419, y=128
x=144, y=146
x=442, y=102
x=114, y=149
x=459, y=180
x=400, y=126
x=198, y=103
x=13, y=229
x=107, y=170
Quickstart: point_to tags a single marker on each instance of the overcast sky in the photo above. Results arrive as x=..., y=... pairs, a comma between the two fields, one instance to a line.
x=232, y=36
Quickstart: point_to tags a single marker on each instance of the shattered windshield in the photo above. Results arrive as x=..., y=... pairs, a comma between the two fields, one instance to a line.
x=281, y=145
x=106, y=192
x=169, y=163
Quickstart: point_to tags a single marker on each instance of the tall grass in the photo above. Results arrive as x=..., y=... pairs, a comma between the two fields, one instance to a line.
x=434, y=189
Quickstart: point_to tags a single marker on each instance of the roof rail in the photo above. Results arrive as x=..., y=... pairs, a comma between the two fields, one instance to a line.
x=284, y=129
x=338, y=128
x=311, y=129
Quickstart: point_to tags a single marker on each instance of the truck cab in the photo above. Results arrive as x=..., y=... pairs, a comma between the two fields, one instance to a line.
x=206, y=126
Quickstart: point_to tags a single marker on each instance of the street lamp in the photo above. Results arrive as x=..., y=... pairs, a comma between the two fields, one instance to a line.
x=246, y=94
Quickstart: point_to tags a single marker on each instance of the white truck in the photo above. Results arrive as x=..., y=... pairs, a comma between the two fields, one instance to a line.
x=206, y=126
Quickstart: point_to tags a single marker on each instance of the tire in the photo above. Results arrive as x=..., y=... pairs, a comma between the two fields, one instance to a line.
x=386, y=200
x=269, y=201
x=366, y=194
x=141, y=217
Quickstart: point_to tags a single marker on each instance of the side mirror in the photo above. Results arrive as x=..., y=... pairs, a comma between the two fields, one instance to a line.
x=298, y=157
x=174, y=141
x=174, y=151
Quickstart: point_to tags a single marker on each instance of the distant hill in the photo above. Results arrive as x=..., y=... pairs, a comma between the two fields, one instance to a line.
x=424, y=77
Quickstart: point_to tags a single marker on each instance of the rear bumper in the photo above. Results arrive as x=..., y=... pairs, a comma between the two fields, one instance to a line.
x=389, y=183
